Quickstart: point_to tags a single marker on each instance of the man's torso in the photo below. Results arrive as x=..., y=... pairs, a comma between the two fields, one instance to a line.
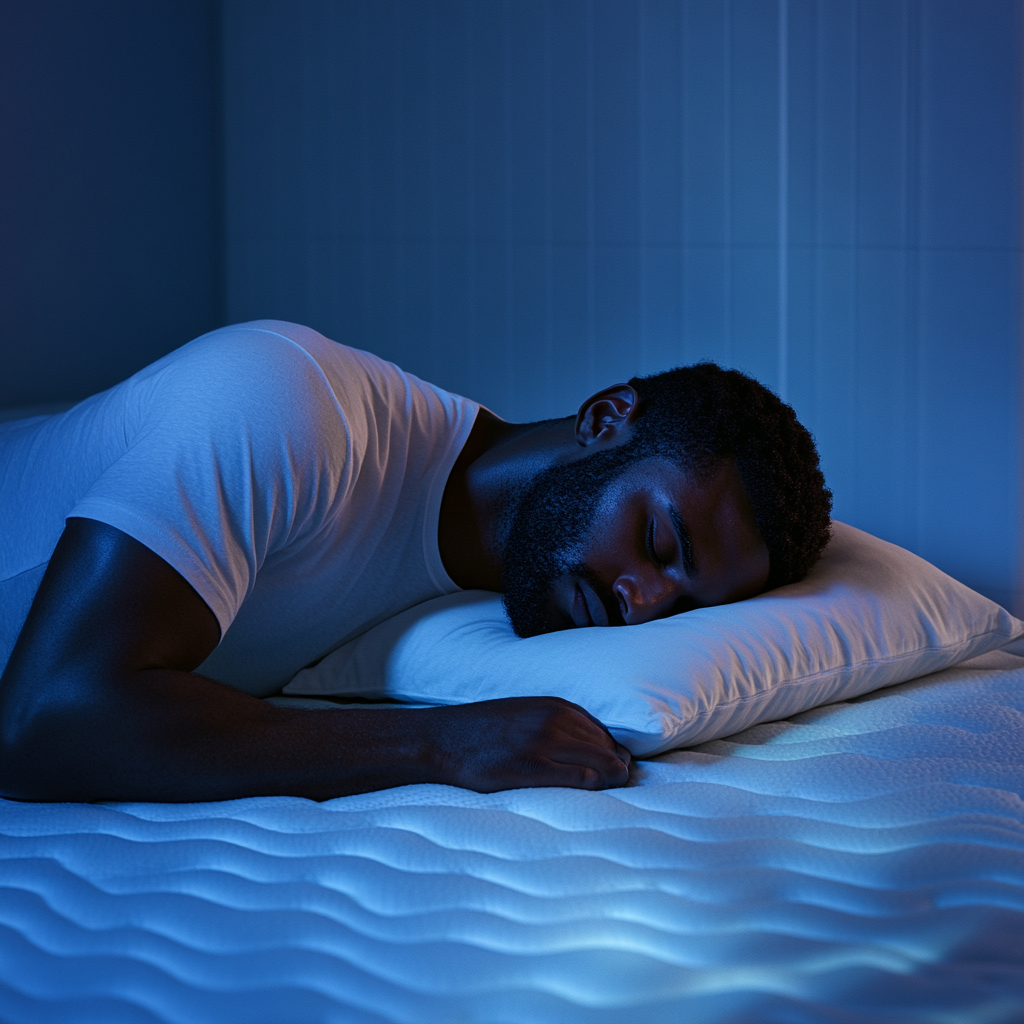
x=295, y=483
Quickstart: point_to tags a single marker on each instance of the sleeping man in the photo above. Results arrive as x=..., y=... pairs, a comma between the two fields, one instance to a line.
x=184, y=543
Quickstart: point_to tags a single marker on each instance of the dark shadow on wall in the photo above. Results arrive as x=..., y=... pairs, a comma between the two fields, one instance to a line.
x=110, y=189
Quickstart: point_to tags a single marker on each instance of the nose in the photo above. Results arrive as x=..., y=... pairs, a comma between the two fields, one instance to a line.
x=643, y=597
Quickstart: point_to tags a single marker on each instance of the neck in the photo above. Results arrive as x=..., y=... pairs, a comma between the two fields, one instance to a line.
x=496, y=466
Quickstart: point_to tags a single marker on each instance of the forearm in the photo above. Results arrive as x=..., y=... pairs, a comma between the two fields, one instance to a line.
x=174, y=736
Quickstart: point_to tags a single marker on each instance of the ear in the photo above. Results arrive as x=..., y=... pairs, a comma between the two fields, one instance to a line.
x=606, y=416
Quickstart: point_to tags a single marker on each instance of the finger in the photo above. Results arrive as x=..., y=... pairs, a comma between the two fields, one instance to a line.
x=607, y=739
x=612, y=770
x=569, y=776
x=579, y=732
x=596, y=749
x=589, y=778
x=584, y=712
x=583, y=725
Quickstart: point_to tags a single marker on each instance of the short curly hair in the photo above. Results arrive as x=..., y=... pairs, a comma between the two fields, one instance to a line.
x=699, y=415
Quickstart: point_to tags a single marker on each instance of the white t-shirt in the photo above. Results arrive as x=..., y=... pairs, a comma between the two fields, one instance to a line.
x=294, y=482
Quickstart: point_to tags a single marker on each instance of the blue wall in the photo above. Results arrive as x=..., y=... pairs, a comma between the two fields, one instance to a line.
x=110, y=230
x=526, y=200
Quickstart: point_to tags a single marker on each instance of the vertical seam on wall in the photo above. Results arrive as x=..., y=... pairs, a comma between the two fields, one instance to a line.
x=433, y=301
x=915, y=74
x=219, y=147
x=472, y=341
x=641, y=203
x=911, y=263
x=855, y=317
x=337, y=248
x=727, y=175
x=506, y=114
x=682, y=341
x=591, y=256
x=783, y=256
x=398, y=135
x=365, y=276
x=1018, y=597
x=549, y=240
x=819, y=362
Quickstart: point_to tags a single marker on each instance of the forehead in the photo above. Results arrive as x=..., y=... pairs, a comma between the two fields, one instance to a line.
x=719, y=493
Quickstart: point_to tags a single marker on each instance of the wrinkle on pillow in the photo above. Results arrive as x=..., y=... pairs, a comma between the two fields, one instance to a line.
x=870, y=614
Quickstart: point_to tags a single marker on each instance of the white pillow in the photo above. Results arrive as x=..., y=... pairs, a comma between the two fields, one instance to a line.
x=869, y=614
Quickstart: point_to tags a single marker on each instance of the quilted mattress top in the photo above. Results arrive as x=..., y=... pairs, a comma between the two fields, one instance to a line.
x=862, y=863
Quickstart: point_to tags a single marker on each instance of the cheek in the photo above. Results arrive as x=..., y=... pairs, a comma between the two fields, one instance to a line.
x=613, y=540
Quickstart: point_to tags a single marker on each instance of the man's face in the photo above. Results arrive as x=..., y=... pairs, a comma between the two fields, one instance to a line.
x=652, y=542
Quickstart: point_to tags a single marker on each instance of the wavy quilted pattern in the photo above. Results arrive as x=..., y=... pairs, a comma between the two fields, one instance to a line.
x=860, y=864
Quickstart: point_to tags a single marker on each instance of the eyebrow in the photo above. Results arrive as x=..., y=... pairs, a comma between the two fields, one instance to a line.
x=683, y=536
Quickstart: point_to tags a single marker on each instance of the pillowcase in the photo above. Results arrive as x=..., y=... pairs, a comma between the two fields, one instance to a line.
x=870, y=614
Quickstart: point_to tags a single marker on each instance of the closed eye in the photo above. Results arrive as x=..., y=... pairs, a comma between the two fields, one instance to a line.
x=650, y=546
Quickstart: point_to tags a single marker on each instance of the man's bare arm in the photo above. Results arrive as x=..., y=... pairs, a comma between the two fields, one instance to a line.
x=99, y=702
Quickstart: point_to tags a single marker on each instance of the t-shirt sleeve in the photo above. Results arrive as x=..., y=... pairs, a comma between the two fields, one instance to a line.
x=235, y=450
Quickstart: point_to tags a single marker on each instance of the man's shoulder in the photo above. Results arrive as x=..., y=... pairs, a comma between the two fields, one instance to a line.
x=280, y=353
x=247, y=381
x=259, y=345
x=292, y=378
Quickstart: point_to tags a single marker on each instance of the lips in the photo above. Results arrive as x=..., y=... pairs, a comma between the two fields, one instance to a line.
x=580, y=611
x=584, y=603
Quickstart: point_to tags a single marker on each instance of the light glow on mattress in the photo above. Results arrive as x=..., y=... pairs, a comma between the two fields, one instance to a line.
x=862, y=863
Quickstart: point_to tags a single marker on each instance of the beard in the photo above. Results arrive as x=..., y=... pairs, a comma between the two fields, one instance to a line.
x=548, y=528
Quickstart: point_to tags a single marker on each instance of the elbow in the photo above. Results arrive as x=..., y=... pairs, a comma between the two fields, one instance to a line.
x=20, y=774
x=36, y=745
x=23, y=775
x=17, y=781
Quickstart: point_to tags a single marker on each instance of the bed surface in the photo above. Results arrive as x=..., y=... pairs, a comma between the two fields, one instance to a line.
x=861, y=863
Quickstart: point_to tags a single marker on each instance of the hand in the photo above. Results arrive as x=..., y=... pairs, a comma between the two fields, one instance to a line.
x=526, y=741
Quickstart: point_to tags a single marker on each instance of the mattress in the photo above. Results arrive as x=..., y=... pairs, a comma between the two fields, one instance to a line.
x=863, y=862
